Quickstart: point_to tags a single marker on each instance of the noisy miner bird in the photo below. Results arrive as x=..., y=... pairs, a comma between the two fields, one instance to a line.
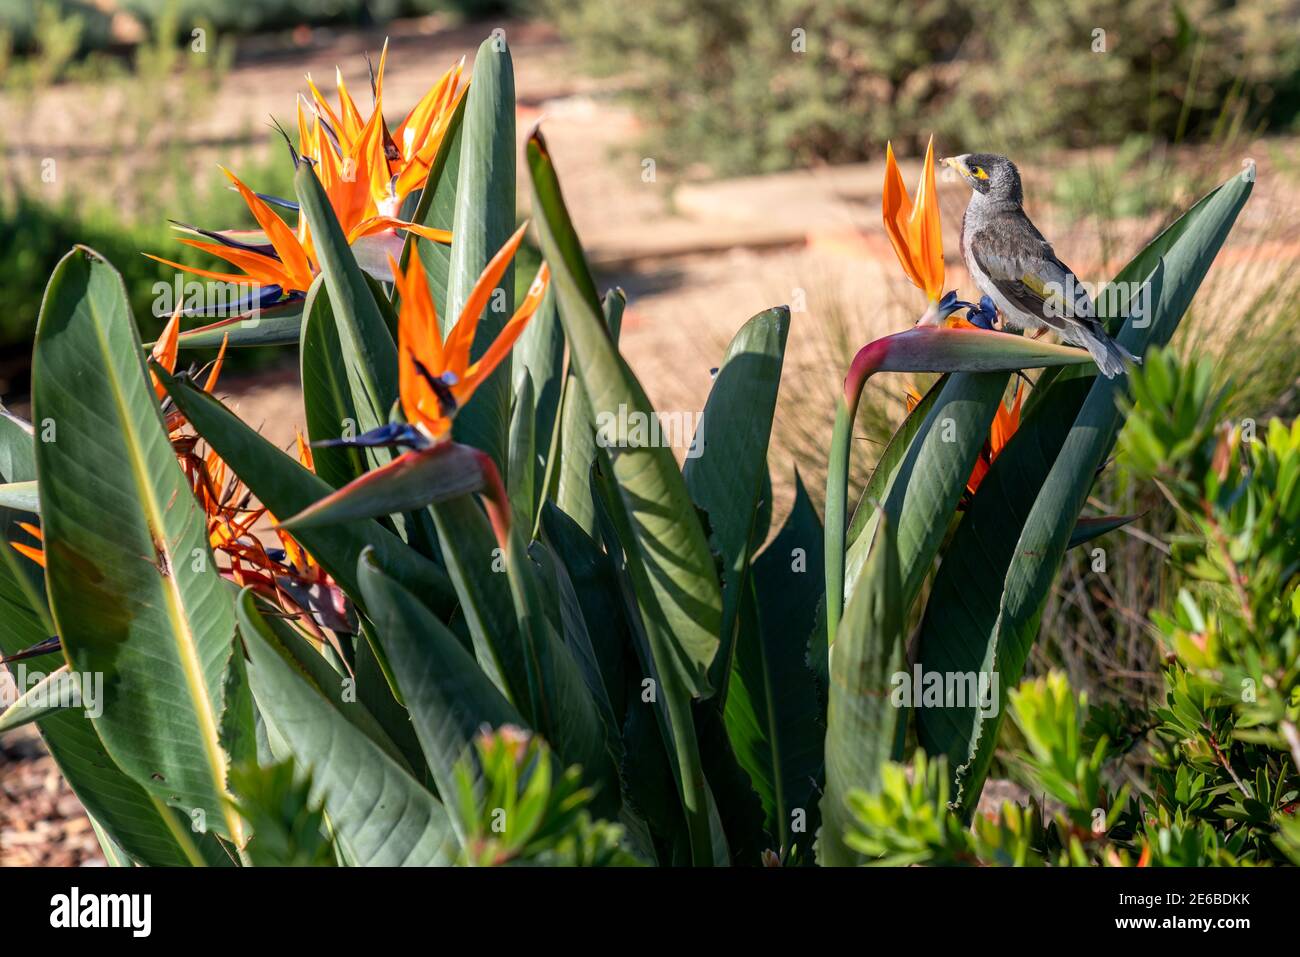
x=1014, y=265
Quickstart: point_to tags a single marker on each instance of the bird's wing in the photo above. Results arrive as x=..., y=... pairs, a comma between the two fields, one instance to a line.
x=1025, y=270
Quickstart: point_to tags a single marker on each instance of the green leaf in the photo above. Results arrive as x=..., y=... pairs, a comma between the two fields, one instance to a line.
x=367, y=344
x=1027, y=542
x=484, y=221
x=411, y=481
x=449, y=697
x=326, y=394
x=862, y=721
x=668, y=555
x=286, y=488
x=437, y=208
x=922, y=495
x=596, y=586
x=133, y=588
x=1093, y=527
x=20, y=496
x=577, y=428
x=141, y=824
x=522, y=476
x=515, y=644
x=275, y=325
x=329, y=680
x=727, y=462
x=52, y=693
x=381, y=815
x=772, y=711
x=539, y=355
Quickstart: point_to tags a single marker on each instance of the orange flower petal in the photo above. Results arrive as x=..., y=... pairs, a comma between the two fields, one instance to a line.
x=286, y=244
x=500, y=348
x=461, y=337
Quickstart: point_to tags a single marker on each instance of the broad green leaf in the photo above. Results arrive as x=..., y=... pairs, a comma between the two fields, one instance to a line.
x=668, y=554
x=577, y=429
x=449, y=697
x=286, y=488
x=437, y=208
x=484, y=221
x=515, y=644
x=147, y=829
x=1000, y=638
x=772, y=714
x=381, y=814
x=596, y=587
x=411, y=481
x=672, y=703
x=333, y=683
x=862, y=720
x=539, y=355
x=882, y=475
x=726, y=465
x=521, y=480
x=133, y=588
x=367, y=344
x=326, y=395
x=922, y=496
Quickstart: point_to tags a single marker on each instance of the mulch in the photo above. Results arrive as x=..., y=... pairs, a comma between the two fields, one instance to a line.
x=42, y=824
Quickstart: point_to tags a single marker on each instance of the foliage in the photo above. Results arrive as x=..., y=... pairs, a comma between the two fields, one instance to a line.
x=780, y=83
x=1217, y=769
x=521, y=813
x=495, y=621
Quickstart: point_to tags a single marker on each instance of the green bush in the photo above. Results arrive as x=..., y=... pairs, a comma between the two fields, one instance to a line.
x=723, y=82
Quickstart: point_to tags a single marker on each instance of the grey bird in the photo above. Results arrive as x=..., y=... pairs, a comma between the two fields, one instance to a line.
x=1014, y=265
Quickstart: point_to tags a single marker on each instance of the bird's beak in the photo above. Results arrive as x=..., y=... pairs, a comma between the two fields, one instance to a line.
x=956, y=163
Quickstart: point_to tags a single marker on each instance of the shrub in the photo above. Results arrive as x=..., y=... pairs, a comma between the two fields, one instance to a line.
x=722, y=82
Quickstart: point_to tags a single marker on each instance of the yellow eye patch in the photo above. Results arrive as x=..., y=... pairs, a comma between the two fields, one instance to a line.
x=978, y=172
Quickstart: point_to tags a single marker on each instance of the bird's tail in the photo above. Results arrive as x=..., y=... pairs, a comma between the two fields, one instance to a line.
x=1107, y=353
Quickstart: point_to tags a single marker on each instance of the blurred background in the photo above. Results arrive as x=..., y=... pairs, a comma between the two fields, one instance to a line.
x=719, y=157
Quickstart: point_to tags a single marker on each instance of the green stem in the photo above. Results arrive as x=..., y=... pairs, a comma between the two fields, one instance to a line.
x=837, y=493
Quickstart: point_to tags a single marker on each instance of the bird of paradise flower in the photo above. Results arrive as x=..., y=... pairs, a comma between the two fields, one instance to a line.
x=436, y=378
x=366, y=176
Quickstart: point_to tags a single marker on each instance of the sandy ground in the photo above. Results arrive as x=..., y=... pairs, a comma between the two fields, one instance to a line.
x=695, y=259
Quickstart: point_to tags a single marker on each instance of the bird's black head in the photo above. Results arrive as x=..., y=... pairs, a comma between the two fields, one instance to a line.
x=989, y=174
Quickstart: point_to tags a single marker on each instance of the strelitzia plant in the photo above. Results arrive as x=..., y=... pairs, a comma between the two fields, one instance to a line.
x=628, y=657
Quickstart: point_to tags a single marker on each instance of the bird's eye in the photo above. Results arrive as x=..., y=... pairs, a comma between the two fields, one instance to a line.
x=978, y=172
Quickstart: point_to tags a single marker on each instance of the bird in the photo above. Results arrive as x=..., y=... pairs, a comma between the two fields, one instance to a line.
x=1013, y=264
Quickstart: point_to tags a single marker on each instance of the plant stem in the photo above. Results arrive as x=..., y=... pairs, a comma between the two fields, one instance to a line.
x=837, y=492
